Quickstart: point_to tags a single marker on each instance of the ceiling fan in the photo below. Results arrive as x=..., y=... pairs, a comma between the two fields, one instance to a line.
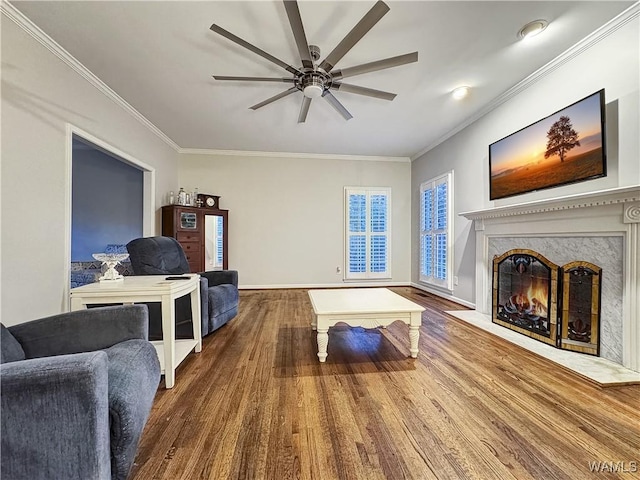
x=317, y=79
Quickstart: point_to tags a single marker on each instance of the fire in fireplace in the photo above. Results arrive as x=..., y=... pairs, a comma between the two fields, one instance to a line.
x=525, y=295
x=559, y=306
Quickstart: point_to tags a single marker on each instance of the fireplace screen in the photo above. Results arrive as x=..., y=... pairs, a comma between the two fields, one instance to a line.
x=556, y=305
x=524, y=294
x=581, y=307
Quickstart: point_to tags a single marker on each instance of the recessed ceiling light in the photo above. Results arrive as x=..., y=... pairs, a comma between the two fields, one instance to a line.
x=532, y=29
x=460, y=92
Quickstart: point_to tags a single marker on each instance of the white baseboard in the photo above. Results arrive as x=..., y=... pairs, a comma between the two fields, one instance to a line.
x=325, y=285
x=453, y=298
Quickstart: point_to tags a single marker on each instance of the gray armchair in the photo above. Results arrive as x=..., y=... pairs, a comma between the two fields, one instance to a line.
x=77, y=389
x=218, y=288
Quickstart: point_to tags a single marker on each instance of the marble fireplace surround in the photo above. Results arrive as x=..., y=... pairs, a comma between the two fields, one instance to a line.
x=601, y=227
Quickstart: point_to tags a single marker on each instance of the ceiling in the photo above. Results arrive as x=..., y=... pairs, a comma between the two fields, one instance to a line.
x=160, y=57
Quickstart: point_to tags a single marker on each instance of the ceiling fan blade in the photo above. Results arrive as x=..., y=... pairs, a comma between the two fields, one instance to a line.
x=328, y=96
x=372, y=17
x=369, y=92
x=304, y=109
x=274, y=98
x=375, y=66
x=254, y=79
x=243, y=43
x=293, y=12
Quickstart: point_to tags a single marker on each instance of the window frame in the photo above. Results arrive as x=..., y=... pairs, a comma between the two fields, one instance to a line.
x=433, y=232
x=368, y=233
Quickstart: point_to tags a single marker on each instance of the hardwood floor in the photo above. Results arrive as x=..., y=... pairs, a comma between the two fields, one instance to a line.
x=257, y=404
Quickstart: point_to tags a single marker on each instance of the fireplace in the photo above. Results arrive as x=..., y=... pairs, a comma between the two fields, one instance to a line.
x=602, y=227
x=556, y=305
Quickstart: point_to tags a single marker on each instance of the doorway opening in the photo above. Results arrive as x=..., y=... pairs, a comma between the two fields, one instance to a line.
x=111, y=199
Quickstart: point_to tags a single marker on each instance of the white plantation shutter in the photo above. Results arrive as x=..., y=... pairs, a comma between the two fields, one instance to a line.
x=435, y=231
x=357, y=228
x=367, y=229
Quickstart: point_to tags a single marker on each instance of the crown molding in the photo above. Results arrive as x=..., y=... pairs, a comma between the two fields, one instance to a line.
x=312, y=156
x=12, y=13
x=586, y=43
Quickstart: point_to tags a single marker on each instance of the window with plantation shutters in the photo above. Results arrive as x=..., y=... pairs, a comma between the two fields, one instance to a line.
x=367, y=227
x=435, y=231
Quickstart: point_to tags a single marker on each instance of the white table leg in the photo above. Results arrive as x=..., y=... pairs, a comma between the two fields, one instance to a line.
x=414, y=333
x=196, y=317
x=323, y=341
x=77, y=304
x=168, y=340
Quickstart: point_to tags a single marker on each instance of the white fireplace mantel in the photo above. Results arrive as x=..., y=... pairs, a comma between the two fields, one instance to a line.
x=606, y=213
x=623, y=195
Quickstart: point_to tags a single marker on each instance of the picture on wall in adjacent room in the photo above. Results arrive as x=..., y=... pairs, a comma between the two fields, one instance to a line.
x=566, y=147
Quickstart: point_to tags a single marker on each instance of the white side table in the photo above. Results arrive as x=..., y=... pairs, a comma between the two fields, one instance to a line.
x=152, y=288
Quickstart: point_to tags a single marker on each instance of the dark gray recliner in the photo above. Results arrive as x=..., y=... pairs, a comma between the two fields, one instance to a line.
x=218, y=288
x=77, y=389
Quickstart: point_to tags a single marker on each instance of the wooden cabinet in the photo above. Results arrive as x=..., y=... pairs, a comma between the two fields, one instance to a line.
x=202, y=232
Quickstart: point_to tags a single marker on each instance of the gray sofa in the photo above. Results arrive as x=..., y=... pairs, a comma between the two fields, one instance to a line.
x=218, y=288
x=77, y=389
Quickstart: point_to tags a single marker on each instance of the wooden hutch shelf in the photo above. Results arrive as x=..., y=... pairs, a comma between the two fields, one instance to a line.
x=189, y=225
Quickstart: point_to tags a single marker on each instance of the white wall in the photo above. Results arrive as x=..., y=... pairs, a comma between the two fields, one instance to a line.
x=613, y=64
x=286, y=214
x=40, y=95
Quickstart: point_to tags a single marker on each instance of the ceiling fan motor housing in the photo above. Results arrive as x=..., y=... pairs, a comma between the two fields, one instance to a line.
x=313, y=84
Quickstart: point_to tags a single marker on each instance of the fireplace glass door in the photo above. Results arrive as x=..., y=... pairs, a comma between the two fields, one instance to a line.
x=524, y=294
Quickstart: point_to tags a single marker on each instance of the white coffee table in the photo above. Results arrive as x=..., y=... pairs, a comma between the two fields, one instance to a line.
x=363, y=307
x=152, y=288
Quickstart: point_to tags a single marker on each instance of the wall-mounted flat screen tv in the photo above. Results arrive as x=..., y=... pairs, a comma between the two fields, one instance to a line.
x=566, y=147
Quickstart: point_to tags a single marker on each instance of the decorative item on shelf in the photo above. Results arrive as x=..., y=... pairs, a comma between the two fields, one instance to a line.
x=182, y=197
x=209, y=201
x=111, y=260
x=194, y=198
x=171, y=198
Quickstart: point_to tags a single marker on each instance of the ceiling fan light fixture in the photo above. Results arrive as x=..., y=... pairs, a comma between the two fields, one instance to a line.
x=312, y=85
x=460, y=92
x=532, y=29
x=312, y=91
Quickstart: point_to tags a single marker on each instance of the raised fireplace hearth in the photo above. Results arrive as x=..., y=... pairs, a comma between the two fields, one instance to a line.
x=557, y=305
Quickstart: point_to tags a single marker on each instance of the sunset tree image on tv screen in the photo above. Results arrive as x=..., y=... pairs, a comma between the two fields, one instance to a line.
x=565, y=147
